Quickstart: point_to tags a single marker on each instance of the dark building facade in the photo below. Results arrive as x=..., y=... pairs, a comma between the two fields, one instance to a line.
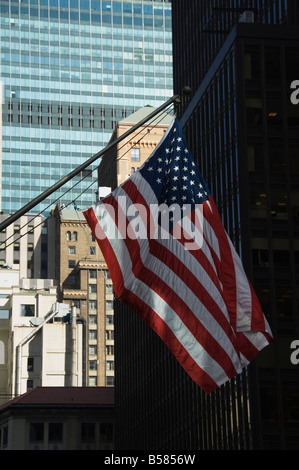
x=239, y=59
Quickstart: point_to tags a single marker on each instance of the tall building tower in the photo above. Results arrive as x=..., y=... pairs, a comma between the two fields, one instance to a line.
x=239, y=59
x=84, y=282
x=70, y=71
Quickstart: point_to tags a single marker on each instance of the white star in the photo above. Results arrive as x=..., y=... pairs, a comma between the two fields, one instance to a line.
x=179, y=139
x=186, y=151
x=184, y=198
x=160, y=159
x=177, y=158
x=184, y=188
x=185, y=178
x=176, y=168
x=174, y=188
x=159, y=169
x=175, y=178
x=199, y=194
x=150, y=168
x=192, y=172
x=173, y=198
x=178, y=149
x=185, y=168
x=192, y=183
x=167, y=150
x=159, y=181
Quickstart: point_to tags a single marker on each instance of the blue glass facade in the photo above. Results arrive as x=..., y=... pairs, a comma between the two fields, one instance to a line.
x=71, y=69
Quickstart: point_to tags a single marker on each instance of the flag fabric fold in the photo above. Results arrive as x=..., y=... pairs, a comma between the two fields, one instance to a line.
x=172, y=262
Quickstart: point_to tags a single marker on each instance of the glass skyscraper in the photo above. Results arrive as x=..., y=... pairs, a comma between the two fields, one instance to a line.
x=70, y=70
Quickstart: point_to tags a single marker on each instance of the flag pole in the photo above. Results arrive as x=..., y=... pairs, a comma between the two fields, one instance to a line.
x=76, y=171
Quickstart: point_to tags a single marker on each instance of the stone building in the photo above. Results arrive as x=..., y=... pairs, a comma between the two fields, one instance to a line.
x=84, y=282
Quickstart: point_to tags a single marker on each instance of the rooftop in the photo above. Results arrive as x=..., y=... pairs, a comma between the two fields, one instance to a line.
x=63, y=396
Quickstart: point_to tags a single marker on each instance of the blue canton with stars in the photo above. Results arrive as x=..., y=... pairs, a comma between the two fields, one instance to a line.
x=172, y=172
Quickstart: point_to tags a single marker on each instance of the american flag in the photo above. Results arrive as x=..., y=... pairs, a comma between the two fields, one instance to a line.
x=172, y=262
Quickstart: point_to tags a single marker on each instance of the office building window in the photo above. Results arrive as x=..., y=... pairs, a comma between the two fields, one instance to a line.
x=109, y=365
x=92, y=274
x=55, y=431
x=29, y=385
x=92, y=304
x=92, y=381
x=88, y=432
x=92, y=288
x=27, y=310
x=93, y=319
x=92, y=349
x=110, y=381
x=72, y=250
x=36, y=432
x=93, y=365
x=135, y=154
x=93, y=334
x=109, y=289
x=76, y=303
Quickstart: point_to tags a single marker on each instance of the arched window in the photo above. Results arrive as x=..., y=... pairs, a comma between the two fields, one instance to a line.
x=75, y=236
x=68, y=236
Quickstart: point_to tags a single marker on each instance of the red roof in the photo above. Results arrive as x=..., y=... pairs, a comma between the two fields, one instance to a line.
x=100, y=396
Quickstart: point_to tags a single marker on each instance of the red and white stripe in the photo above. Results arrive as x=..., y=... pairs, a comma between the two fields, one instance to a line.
x=199, y=302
